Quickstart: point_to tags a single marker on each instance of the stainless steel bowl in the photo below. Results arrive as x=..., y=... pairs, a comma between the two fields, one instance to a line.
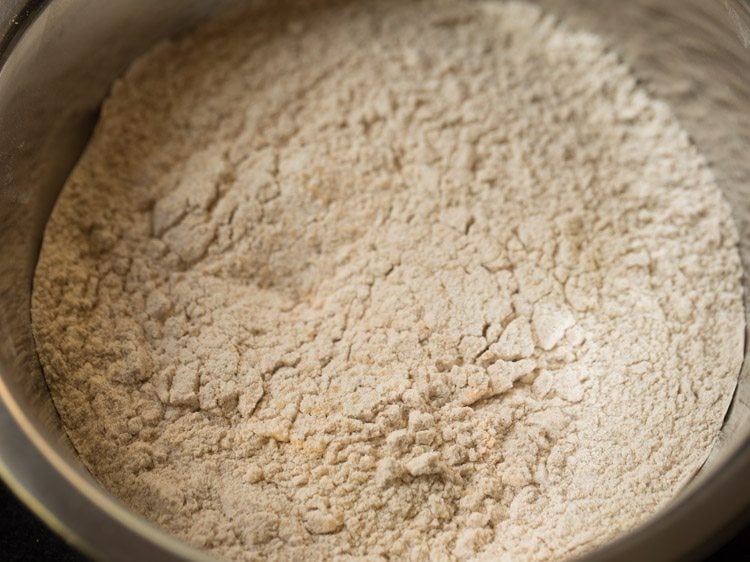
x=57, y=60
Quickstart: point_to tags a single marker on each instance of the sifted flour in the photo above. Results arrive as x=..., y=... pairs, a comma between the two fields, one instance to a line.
x=391, y=280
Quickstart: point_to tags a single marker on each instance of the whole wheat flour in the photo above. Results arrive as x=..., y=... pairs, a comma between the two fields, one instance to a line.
x=391, y=280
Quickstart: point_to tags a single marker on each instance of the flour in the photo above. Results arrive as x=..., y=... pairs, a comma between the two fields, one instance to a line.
x=394, y=280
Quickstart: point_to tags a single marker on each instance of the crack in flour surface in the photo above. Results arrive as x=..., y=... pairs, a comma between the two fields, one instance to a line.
x=390, y=280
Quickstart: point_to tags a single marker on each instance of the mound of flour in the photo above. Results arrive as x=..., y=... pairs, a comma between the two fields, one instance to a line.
x=390, y=280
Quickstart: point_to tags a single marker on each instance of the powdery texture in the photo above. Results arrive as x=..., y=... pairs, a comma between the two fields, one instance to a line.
x=399, y=280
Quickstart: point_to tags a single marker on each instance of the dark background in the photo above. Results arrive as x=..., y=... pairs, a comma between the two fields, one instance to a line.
x=23, y=538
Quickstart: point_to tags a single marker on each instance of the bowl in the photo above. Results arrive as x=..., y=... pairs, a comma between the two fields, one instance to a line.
x=57, y=61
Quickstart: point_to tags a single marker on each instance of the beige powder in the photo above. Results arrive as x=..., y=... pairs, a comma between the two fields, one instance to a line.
x=392, y=280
